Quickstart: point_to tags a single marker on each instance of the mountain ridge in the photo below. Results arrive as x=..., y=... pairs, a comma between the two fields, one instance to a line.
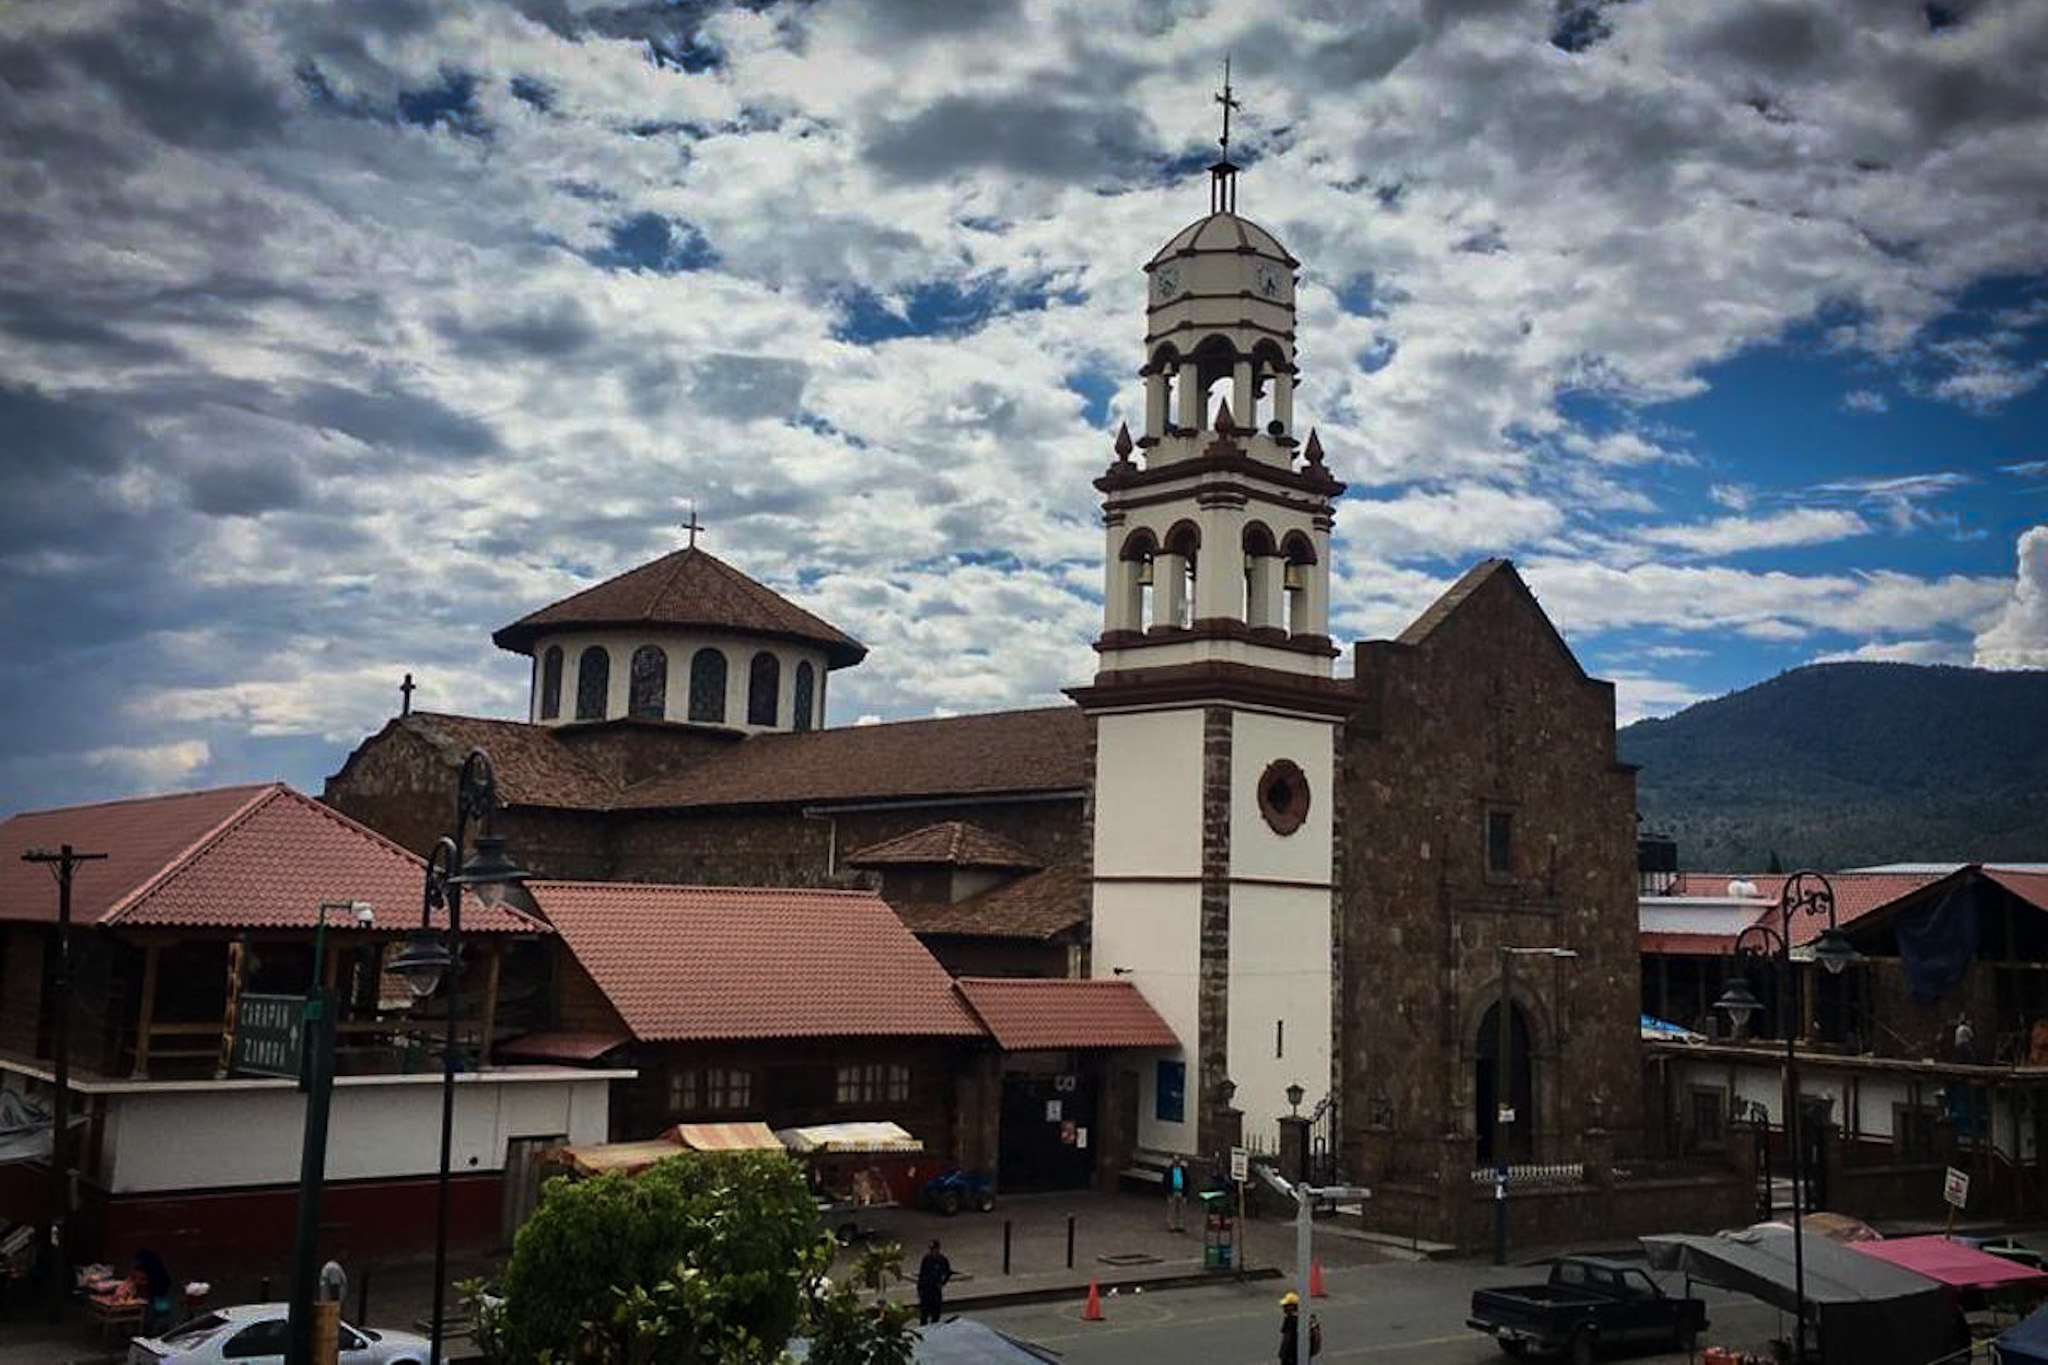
x=1851, y=764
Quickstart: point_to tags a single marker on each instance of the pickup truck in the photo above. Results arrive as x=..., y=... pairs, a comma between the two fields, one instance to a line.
x=1588, y=1305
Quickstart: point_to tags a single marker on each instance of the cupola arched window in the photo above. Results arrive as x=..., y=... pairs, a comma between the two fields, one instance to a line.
x=1263, y=605
x=648, y=697
x=1174, y=576
x=593, y=683
x=707, y=685
x=764, y=683
x=802, y=701
x=551, y=683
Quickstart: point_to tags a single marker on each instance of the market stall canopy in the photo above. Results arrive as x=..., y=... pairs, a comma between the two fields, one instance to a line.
x=848, y=1137
x=1868, y=1309
x=750, y=1136
x=633, y=1157
x=1955, y=1264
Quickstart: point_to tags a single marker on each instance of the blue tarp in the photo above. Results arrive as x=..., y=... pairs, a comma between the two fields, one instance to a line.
x=2024, y=1344
x=1937, y=943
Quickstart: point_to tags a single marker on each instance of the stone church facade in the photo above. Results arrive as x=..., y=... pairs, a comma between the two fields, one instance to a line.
x=1311, y=877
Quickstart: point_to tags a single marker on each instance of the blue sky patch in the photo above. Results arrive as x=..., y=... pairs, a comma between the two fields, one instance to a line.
x=651, y=241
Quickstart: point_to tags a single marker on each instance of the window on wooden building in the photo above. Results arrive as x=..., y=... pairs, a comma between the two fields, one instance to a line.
x=1500, y=844
x=700, y=1090
x=873, y=1083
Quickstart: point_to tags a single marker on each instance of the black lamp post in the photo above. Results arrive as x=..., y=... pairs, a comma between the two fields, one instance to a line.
x=428, y=960
x=1808, y=894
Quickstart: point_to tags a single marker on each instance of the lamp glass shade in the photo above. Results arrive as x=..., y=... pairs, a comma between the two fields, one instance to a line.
x=1833, y=951
x=422, y=962
x=490, y=874
x=1294, y=1094
x=1739, y=1003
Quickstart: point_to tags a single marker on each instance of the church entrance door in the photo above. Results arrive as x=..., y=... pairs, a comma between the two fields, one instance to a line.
x=1049, y=1128
x=1521, y=1088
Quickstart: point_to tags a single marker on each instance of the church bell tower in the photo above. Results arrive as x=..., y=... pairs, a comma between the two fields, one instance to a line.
x=1215, y=714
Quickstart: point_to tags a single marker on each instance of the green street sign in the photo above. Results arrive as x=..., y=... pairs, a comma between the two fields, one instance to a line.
x=269, y=1035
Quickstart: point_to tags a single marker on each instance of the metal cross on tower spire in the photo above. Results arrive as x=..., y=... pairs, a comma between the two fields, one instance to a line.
x=1223, y=175
x=692, y=525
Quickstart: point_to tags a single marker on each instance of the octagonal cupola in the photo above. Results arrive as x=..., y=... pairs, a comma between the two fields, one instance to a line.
x=686, y=639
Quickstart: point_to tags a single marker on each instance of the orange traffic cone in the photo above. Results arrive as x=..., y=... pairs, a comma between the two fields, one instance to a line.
x=1315, y=1280
x=1093, y=1311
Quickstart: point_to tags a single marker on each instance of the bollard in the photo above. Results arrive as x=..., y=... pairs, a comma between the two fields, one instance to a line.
x=363, y=1294
x=1006, y=1246
x=1070, y=1241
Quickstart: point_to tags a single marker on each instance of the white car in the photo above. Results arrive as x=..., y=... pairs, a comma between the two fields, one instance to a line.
x=257, y=1334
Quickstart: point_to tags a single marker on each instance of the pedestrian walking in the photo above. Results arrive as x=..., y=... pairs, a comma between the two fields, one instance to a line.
x=1177, y=1195
x=1290, y=1331
x=932, y=1273
x=1966, y=1039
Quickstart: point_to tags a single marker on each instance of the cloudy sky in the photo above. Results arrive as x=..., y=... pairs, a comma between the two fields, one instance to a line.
x=334, y=336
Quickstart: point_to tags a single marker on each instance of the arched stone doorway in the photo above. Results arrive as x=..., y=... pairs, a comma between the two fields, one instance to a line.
x=1521, y=1088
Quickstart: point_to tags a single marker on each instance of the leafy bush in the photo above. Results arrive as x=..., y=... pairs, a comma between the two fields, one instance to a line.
x=704, y=1257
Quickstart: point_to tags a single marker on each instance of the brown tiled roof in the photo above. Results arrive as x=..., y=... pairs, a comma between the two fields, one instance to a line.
x=233, y=858
x=692, y=589
x=563, y=1046
x=1038, y=906
x=531, y=765
x=720, y=962
x=996, y=753
x=1027, y=1014
x=1857, y=894
x=951, y=843
x=2027, y=885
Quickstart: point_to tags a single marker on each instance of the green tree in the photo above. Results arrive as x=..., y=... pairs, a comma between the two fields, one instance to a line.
x=703, y=1257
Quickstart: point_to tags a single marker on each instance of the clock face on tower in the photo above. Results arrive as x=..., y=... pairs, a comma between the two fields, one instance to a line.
x=1165, y=282
x=1268, y=280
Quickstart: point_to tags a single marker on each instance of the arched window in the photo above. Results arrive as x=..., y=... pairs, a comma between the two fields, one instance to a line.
x=593, y=682
x=764, y=683
x=707, y=685
x=1262, y=586
x=802, y=703
x=1139, y=604
x=1301, y=561
x=648, y=697
x=551, y=683
x=1176, y=607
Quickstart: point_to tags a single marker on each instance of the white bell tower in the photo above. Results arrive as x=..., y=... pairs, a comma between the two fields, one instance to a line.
x=1216, y=718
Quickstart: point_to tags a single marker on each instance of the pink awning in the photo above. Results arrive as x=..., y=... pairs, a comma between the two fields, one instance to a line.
x=1953, y=1263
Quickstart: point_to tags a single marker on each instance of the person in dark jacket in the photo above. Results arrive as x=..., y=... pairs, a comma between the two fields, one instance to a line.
x=1290, y=1331
x=932, y=1273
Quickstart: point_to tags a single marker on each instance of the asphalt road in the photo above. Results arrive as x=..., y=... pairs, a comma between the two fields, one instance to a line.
x=1412, y=1313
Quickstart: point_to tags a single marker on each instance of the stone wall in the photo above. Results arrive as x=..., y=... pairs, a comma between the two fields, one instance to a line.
x=1486, y=711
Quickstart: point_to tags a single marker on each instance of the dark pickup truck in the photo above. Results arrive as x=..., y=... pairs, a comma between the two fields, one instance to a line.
x=1589, y=1304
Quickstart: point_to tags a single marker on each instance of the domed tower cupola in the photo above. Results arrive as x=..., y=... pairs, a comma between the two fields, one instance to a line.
x=1219, y=517
x=686, y=639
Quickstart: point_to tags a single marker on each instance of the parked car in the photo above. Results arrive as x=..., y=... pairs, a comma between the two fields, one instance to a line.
x=1588, y=1305
x=257, y=1334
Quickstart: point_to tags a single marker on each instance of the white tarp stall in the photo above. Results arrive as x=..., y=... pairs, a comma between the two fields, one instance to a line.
x=632, y=1157
x=25, y=1127
x=833, y=1139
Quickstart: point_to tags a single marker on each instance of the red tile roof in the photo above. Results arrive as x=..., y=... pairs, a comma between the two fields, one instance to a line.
x=690, y=589
x=1027, y=1014
x=720, y=962
x=2031, y=887
x=1038, y=906
x=1000, y=752
x=232, y=858
x=563, y=1047
x=953, y=843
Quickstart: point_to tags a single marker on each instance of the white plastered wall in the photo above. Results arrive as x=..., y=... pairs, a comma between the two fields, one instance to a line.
x=1148, y=824
x=173, y=1137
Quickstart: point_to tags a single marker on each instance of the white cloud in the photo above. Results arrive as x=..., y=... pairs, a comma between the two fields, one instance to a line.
x=2018, y=636
x=1733, y=535
x=153, y=766
x=1865, y=400
x=1638, y=695
x=1902, y=652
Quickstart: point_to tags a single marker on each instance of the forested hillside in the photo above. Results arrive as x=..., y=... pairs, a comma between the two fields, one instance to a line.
x=1848, y=764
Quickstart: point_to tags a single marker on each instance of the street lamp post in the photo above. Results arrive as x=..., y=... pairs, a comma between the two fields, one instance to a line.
x=1503, y=1114
x=316, y=1078
x=427, y=960
x=1807, y=894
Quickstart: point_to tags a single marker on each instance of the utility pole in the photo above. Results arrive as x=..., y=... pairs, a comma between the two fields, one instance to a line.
x=1305, y=1197
x=63, y=864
